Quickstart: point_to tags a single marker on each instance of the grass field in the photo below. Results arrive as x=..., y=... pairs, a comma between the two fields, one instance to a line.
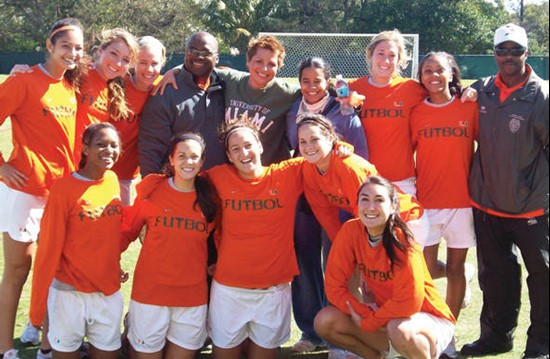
x=467, y=329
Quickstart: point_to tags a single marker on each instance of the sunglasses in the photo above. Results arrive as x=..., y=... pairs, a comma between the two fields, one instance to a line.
x=514, y=51
x=200, y=53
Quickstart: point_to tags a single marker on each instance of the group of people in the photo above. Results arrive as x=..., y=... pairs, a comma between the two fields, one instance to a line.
x=249, y=180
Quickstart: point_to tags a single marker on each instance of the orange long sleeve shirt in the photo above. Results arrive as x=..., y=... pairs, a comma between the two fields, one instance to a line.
x=256, y=247
x=385, y=116
x=126, y=167
x=171, y=268
x=337, y=189
x=79, y=240
x=443, y=137
x=42, y=112
x=399, y=293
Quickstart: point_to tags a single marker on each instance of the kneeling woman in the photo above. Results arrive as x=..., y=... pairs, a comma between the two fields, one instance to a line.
x=405, y=309
x=76, y=270
x=169, y=293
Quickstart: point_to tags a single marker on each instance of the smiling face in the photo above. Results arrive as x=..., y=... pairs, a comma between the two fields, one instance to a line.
x=313, y=84
x=374, y=207
x=101, y=153
x=384, y=62
x=187, y=160
x=315, y=145
x=113, y=60
x=201, y=54
x=66, y=49
x=436, y=74
x=263, y=67
x=149, y=64
x=244, y=150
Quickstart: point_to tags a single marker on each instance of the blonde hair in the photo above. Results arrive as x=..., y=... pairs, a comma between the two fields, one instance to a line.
x=117, y=107
x=267, y=42
x=152, y=42
x=397, y=38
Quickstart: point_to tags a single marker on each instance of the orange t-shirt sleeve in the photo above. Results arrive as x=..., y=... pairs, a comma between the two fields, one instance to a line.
x=132, y=223
x=408, y=293
x=12, y=95
x=52, y=238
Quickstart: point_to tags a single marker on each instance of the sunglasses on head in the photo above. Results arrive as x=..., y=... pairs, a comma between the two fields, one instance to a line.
x=514, y=51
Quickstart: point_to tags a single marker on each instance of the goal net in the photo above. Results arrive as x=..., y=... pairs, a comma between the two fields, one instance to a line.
x=344, y=52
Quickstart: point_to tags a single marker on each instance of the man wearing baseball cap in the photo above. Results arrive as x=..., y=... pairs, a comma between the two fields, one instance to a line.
x=509, y=192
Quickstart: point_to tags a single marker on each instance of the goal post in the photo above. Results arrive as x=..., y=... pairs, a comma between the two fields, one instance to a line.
x=344, y=52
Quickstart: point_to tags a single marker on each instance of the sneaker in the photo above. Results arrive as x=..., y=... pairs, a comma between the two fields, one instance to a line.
x=304, y=346
x=336, y=353
x=10, y=354
x=469, y=272
x=30, y=335
x=41, y=355
x=450, y=352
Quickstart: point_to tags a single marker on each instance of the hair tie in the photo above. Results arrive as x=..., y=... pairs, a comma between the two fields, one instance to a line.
x=63, y=28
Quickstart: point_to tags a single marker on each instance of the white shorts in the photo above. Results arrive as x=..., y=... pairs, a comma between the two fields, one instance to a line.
x=20, y=214
x=443, y=329
x=263, y=315
x=420, y=229
x=74, y=315
x=407, y=185
x=456, y=225
x=125, y=191
x=150, y=326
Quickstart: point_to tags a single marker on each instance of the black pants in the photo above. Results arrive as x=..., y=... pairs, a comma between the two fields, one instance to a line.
x=498, y=241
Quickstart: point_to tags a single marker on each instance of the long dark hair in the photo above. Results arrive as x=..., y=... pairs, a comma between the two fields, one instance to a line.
x=390, y=239
x=74, y=76
x=88, y=137
x=207, y=196
x=455, y=86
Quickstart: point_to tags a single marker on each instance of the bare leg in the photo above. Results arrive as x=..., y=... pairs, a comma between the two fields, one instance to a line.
x=337, y=328
x=156, y=355
x=102, y=354
x=17, y=264
x=232, y=353
x=456, y=280
x=413, y=337
x=436, y=267
x=174, y=351
x=63, y=355
x=257, y=352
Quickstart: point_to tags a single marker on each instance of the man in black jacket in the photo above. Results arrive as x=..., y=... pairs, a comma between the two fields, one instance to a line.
x=509, y=189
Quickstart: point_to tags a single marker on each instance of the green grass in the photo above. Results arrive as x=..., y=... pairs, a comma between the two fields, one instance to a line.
x=467, y=329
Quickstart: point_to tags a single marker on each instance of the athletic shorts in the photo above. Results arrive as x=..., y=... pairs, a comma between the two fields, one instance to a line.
x=20, y=214
x=150, y=326
x=442, y=328
x=456, y=225
x=407, y=185
x=74, y=315
x=420, y=229
x=263, y=315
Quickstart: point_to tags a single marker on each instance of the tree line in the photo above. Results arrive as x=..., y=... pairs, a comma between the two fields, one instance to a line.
x=455, y=26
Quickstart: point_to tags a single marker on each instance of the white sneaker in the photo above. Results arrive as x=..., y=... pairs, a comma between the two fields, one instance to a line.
x=11, y=354
x=41, y=355
x=469, y=273
x=450, y=352
x=30, y=335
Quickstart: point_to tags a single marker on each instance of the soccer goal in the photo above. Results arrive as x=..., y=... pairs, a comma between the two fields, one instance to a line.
x=344, y=52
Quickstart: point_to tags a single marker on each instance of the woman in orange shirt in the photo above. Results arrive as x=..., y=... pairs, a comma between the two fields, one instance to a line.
x=403, y=308
x=42, y=108
x=76, y=271
x=250, y=294
x=169, y=293
x=138, y=85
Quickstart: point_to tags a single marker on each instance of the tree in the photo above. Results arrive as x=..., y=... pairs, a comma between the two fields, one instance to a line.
x=535, y=21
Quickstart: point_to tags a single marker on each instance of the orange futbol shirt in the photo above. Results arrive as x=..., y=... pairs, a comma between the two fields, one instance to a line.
x=79, y=240
x=171, y=268
x=399, y=293
x=42, y=111
x=443, y=137
x=338, y=187
x=385, y=117
x=127, y=165
x=256, y=247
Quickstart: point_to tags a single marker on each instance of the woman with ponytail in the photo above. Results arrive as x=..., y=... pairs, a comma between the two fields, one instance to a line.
x=402, y=311
x=169, y=295
x=42, y=107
